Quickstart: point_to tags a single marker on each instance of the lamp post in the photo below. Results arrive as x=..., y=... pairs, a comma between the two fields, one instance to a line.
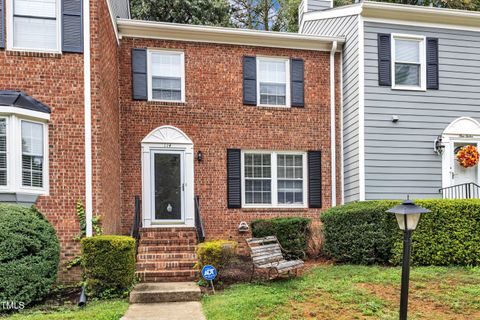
x=408, y=215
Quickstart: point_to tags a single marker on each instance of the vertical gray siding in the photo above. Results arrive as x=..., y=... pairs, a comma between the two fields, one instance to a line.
x=399, y=158
x=318, y=5
x=348, y=27
x=120, y=8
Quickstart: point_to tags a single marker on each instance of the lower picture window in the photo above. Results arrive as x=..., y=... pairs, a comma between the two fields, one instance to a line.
x=274, y=179
x=32, y=154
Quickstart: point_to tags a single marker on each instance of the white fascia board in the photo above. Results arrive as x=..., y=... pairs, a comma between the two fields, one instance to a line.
x=208, y=34
x=29, y=114
x=113, y=18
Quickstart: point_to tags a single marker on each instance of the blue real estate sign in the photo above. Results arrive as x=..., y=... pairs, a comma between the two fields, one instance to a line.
x=209, y=272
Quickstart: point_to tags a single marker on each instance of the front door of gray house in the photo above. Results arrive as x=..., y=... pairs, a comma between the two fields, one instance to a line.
x=167, y=186
x=461, y=175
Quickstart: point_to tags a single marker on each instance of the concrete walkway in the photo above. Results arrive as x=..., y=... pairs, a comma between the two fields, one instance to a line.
x=191, y=310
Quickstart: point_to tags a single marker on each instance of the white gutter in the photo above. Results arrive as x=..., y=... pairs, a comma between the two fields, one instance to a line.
x=88, y=118
x=333, y=166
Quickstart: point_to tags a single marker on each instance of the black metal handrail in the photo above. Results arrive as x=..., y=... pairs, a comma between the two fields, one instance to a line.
x=198, y=221
x=468, y=190
x=137, y=222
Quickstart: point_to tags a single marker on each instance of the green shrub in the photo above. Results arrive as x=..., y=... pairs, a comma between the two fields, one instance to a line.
x=109, y=264
x=29, y=254
x=363, y=233
x=292, y=233
x=360, y=232
x=217, y=253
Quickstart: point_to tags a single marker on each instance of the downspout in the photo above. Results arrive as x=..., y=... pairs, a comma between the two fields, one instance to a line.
x=88, y=118
x=333, y=167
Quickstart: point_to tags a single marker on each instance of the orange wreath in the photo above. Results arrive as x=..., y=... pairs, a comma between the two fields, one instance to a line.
x=467, y=156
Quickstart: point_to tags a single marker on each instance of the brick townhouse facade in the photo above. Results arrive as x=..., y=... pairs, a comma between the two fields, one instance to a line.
x=116, y=108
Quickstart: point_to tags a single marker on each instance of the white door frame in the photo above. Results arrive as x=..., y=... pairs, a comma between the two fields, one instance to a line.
x=461, y=130
x=167, y=139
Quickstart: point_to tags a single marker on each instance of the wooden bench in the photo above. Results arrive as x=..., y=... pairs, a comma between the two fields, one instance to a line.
x=267, y=253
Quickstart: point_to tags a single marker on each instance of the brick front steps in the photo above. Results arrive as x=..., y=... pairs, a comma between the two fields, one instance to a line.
x=165, y=292
x=166, y=254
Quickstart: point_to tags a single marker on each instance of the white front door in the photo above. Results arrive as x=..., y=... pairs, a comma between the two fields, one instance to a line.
x=459, y=174
x=168, y=186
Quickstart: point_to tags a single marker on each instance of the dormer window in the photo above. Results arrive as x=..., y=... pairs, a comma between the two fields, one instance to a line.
x=34, y=25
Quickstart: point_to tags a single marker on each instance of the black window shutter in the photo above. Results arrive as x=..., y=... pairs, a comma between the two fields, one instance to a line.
x=384, y=60
x=297, y=82
x=72, y=26
x=314, y=179
x=234, y=188
x=139, y=74
x=2, y=25
x=432, y=63
x=249, y=81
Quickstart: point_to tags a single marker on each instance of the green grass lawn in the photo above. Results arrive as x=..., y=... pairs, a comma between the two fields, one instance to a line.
x=353, y=292
x=97, y=310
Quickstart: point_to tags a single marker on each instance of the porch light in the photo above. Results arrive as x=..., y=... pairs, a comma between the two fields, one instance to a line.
x=438, y=145
x=408, y=216
x=199, y=156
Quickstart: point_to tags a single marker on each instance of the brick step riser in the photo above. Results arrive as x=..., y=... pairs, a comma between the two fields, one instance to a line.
x=166, y=257
x=166, y=276
x=166, y=249
x=157, y=266
x=169, y=235
x=167, y=242
x=159, y=297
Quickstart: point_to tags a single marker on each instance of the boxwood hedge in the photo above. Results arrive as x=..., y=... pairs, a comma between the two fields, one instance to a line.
x=109, y=264
x=363, y=233
x=292, y=233
x=29, y=255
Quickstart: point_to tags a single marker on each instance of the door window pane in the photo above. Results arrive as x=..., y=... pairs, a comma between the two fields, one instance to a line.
x=258, y=182
x=32, y=154
x=167, y=186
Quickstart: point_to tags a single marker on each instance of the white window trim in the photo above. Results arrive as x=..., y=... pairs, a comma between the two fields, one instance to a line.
x=149, y=73
x=423, y=63
x=9, y=23
x=287, y=81
x=274, y=179
x=14, y=156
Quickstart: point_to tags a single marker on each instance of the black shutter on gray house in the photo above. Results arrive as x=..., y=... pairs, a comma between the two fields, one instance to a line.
x=432, y=63
x=2, y=25
x=234, y=186
x=297, y=82
x=249, y=81
x=314, y=179
x=139, y=74
x=384, y=60
x=72, y=26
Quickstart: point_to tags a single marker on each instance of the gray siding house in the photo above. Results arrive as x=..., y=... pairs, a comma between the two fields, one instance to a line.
x=411, y=97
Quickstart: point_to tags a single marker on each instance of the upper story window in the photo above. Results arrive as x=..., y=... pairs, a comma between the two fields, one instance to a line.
x=166, y=79
x=408, y=62
x=274, y=179
x=34, y=25
x=273, y=82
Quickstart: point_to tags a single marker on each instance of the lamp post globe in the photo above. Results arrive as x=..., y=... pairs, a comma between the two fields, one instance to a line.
x=408, y=215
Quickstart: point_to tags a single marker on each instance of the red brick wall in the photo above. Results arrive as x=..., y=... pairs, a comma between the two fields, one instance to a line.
x=215, y=119
x=57, y=80
x=105, y=119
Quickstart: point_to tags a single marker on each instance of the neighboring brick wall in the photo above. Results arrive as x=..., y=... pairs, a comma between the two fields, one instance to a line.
x=57, y=80
x=215, y=119
x=105, y=119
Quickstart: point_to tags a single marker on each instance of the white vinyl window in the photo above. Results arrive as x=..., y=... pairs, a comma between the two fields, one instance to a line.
x=32, y=154
x=273, y=88
x=35, y=25
x=166, y=79
x=23, y=160
x=408, y=62
x=274, y=179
